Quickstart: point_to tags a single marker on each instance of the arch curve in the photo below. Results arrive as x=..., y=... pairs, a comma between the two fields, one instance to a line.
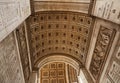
x=58, y=58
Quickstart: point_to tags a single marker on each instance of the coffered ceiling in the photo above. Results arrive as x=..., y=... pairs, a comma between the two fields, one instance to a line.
x=58, y=72
x=66, y=33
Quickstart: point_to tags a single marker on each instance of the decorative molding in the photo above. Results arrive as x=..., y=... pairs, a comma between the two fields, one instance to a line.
x=72, y=74
x=81, y=7
x=58, y=58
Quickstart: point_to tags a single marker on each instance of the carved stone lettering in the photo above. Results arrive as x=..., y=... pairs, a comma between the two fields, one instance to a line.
x=114, y=72
x=107, y=9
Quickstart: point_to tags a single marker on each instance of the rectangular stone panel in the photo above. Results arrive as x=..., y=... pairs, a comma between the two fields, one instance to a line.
x=12, y=13
x=114, y=72
x=61, y=6
x=107, y=9
x=101, y=50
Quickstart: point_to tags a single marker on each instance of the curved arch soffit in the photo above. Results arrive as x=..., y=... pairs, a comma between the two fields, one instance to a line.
x=59, y=58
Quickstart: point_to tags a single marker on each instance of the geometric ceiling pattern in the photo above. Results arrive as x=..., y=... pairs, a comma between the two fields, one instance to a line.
x=53, y=73
x=58, y=72
x=55, y=32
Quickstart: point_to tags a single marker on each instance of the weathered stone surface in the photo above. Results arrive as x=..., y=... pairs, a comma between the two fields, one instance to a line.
x=112, y=74
x=60, y=5
x=12, y=13
x=10, y=69
x=107, y=9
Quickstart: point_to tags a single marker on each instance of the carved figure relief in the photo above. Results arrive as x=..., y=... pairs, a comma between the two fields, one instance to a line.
x=100, y=52
x=20, y=32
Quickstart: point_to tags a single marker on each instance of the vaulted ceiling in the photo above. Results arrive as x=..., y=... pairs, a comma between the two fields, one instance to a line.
x=58, y=72
x=54, y=32
x=84, y=34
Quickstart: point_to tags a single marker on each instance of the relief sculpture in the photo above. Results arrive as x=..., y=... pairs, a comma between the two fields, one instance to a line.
x=100, y=52
x=23, y=51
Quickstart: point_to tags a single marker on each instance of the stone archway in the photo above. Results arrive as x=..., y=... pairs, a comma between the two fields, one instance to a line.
x=70, y=65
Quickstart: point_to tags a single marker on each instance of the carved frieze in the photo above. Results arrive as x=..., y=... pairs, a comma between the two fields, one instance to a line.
x=20, y=32
x=103, y=43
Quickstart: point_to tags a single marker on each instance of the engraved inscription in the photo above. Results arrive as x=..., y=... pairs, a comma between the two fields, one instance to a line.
x=114, y=72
